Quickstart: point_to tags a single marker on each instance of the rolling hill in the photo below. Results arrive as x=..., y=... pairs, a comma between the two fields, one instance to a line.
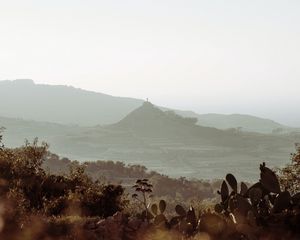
x=245, y=122
x=171, y=144
x=16, y=131
x=162, y=141
x=61, y=104
x=68, y=105
x=111, y=128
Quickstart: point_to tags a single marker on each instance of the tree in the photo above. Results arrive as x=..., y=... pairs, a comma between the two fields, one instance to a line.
x=145, y=189
x=289, y=176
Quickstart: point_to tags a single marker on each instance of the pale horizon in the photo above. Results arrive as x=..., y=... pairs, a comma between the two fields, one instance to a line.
x=239, y=57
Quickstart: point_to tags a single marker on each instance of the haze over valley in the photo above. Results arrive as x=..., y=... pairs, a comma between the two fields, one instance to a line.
x=85, y=125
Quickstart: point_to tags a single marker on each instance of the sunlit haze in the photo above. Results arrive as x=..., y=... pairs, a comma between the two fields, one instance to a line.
x=206, y=56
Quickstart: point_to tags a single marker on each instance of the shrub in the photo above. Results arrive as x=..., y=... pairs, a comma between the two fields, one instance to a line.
x=30, y=191
x=289, y=176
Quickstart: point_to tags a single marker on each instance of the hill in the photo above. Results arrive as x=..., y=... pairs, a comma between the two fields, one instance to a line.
x=243, y=122
x=61, y=104
x=17, y=130
x=149, y=120
x=40, y=204
x=160, y=140
x=68, y=105
x=120, y=173
x=171, y=144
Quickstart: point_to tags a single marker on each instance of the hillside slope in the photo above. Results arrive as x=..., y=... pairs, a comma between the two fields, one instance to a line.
x=149, y=120
x=61, y=104
x=171, y=144
x=162, y=141
x=244, y=122
x=17, y=130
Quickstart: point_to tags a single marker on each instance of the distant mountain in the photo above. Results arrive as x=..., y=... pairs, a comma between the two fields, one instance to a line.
x=68, y=105
x=61, y=104
x=149, y=120
x=162, y=141
x=171, y=144
x=17, y=130
x=243, y=122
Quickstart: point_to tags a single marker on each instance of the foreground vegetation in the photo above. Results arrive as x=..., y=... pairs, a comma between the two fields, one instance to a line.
x=41, y=204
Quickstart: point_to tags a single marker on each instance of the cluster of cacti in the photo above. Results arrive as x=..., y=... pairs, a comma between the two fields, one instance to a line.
x=243, y=213
x=157, y=212
x=188, y=222
x=261, y=206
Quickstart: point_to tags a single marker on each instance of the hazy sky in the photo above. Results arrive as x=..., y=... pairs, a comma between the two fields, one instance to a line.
x=207, y=56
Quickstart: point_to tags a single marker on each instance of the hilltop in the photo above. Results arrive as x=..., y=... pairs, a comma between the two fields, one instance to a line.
x=149, y=120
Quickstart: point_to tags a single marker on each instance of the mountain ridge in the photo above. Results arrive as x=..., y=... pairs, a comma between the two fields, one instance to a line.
x=69, y=105
x=244, y=121
x=61, y=104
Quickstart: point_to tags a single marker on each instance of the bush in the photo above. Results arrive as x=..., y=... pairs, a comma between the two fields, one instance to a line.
x=30, y=191
x=289, y=176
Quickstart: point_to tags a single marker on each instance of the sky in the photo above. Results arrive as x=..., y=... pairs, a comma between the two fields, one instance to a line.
x=207, y=56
